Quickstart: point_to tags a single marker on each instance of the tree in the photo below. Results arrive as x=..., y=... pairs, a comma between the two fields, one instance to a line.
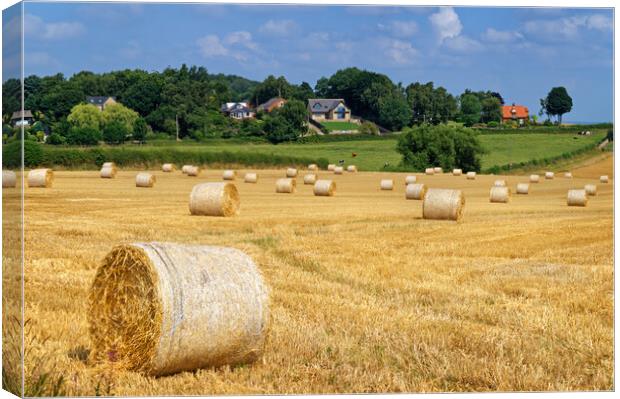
x=491, y=110
x=558, y=102
x=120, y=114
x=272, y=87
x=303, y=92
x=470, y=109
x=278, y=130
x=85, y=115
x=115, y=132
x=140, y=129
x=83, y=136
x=394, y=113
x=296, y=114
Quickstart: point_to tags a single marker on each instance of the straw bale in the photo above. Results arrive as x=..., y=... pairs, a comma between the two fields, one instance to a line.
x=40, y=178
x=443, y=204
x=214, y=199
x=325, y=188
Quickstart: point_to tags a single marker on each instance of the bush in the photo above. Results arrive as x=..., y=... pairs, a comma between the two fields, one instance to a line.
x=12, y=154
x=115, y=132
x=492, y=124
x=140, y=129
x=440, y=145
x=279, y=130
x=369, y=128
x=56, y=139
x=83, y=136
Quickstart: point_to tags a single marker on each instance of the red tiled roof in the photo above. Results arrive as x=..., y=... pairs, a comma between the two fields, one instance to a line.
x=514, y=111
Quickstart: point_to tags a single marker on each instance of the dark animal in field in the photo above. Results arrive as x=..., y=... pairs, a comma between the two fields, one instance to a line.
x=341, y=162
x=354, y=154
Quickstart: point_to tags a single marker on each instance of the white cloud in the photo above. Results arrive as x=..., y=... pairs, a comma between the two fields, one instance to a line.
x=463, y=44
x=501, y=36
x=278, y=28
x=241, y=38
x=566, y=28
x=211, y=46
x=400, y=28
x=234, y=44
x=35, y=26
x=600, y=22
x=446, y=23
x=40, y=58
x=399, y=51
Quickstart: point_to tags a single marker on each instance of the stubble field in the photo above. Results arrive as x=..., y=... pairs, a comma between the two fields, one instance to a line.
x=366, y=296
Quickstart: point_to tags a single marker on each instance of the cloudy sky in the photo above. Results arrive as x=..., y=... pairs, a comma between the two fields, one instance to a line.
x=520, y=52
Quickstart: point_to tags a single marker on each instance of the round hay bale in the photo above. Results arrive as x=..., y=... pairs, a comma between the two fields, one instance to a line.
x=604, y=179
x=324, y=188
x=331, y=167
x=577, y=198
x=387, y=184
x=167, y=167
x=162, y=308
x=415, y=191
x=437, y=169
x=229, y=175
x=144, y=179
x=9, y=179
x=291, y=172
x=429, y=171
x=107, y=172
x=286, y=185
x=457, y=172
x=313, y=166
x=310, y=178
x=352, y=168
x=534, y=178
x=40, y=178
x=338, y=170
x=250, y=178
x=523, y=188
x=443, y=204
x=499, y=183
x=590, y=189
x=549, y=175
x=471, y=175
x=193, y=171
x=499, y=194
x=108, y=165
x=568, y=175
x=410, y=179
x=185, y=168
x=214, y=199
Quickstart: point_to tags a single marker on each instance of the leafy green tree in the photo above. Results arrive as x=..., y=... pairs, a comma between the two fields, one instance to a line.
x=60, y=99
x=272, y=87
x=322, y=87
x=491, y=110
x=85, y=115
x=303, y=92
x=394, y=113
x=296, y=114
x=12, y=154
x=11, y=98
x=115, y=132
x=118, y=113
x=278, y=130
x=56, y=139
x=558, y=102
x=83, y=136
x=470, y=109
x=140, y=129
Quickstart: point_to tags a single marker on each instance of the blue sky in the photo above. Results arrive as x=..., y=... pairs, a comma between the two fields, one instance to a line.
x=520, y=52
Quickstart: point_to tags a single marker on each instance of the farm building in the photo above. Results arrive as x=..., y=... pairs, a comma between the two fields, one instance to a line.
x=518, y=113
x=22, y=118
x=271, y=104
x=323, y=109
x=238, y=110
x=101, y=101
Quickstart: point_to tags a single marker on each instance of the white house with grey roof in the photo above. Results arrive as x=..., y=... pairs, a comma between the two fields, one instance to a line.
x=328, y=109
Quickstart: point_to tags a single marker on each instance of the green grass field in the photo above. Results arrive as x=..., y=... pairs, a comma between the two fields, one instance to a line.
x=332, y=126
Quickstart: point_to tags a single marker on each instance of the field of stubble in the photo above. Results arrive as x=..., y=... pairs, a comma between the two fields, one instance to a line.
x=366, y=296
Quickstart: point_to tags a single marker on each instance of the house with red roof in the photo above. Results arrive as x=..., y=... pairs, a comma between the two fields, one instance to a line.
x=517, y=113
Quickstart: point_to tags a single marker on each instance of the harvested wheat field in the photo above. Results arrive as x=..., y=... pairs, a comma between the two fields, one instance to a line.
x=365, y=295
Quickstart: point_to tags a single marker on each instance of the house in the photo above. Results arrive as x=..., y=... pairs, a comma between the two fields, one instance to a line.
x=325, y=109
x=101, y=101
x=239, y=110
x=271, y=104
x=20, y=118
x=518, y=113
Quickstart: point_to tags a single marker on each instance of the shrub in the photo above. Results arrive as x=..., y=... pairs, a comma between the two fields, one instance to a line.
x=56, y=139
x=140, y=129
x=115, y=132
x=83, y=136
x=369, y=128
x=492, y=124
x=12, y=154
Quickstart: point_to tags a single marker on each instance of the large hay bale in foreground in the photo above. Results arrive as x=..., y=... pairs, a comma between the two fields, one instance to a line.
x=429, y=171
x=568, y=175
x=415, y=191
x=534, y=178
x=338, y=170
x=499, y=194
x=108, y=165
x=352, y=168
x=331, y=167
x=214, y=199
x=185, y=168
x=549, y=175
x=410, y=179
x=471, y=175
x=250, y=178
x=604, y=179
x=437, y=169
x=167, y=167
x=500, y=183
x=162, y=308
x=310, y=178
x=523, y=188
x=193, y=171
x=291, y=172
x=229, y=174
x=286, y=185
x=144, y=179
x=107, y=172
x=577, y=198
x=443, y=204
x=9, y=179
x=457, y=172
x=590, y=189
x=313, y=166
x=387, y=184
x=40, y=178
x=324, y=188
